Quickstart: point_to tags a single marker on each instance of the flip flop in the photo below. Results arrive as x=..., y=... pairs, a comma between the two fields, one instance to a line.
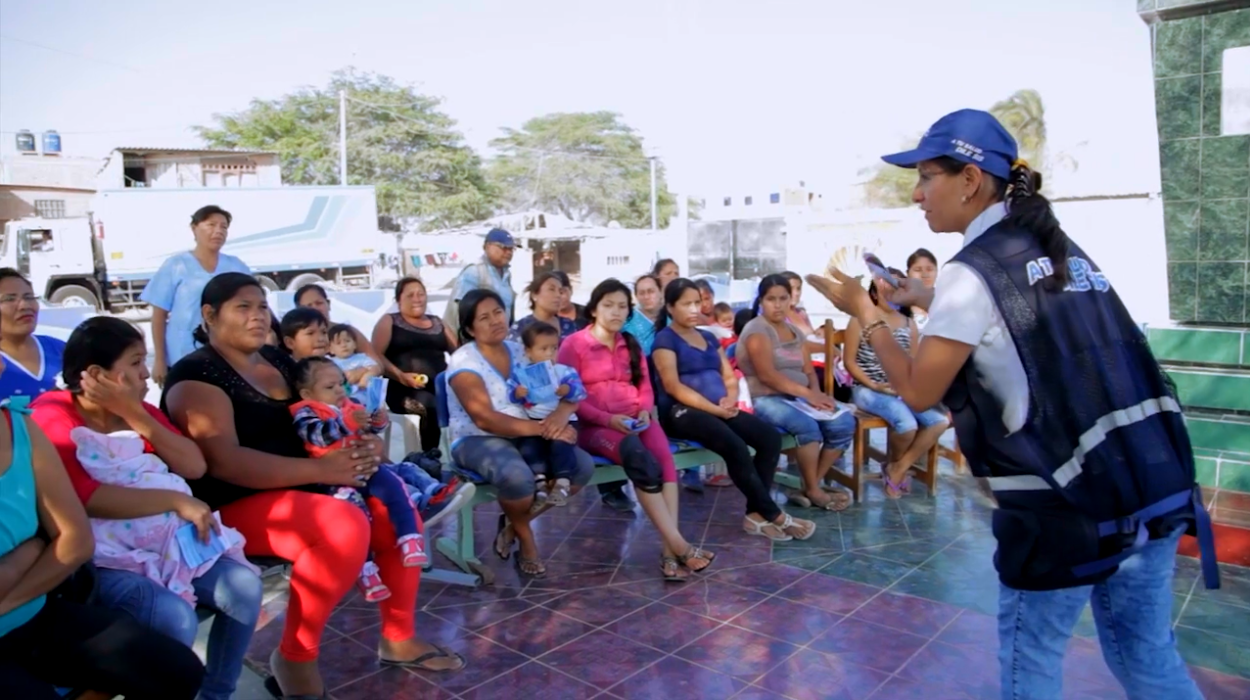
x=832, y=505
x=671, y=571
x=537, y=568
x=271, y=685
x=500, y=551
x=420, y=663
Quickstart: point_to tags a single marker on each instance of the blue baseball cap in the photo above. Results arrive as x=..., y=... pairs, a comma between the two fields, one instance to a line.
x=502, y=237
x=969, y=135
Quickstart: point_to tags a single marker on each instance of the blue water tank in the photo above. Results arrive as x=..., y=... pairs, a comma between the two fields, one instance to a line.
x=25, y=141
x=51, y=143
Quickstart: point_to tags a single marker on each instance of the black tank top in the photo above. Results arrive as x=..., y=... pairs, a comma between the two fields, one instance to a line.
x=262, y=423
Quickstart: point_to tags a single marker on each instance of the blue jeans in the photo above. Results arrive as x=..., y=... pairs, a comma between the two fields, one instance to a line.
x=836, y=434
x=1133, y=613
x=499, y=462
x=892, y=409
x=229, y=589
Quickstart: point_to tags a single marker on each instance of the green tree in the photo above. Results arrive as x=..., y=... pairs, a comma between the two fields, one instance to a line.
x=397, y=140
x=589, y=166
x=1024, y=116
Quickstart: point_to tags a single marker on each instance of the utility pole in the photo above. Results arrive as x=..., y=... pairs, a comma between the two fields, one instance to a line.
x=653, y=195
x=343, y=137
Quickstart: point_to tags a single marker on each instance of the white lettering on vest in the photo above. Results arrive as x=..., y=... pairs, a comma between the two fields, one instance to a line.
x=1082, y=276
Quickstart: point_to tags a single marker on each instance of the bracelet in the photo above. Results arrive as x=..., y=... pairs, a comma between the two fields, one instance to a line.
x=872, y=328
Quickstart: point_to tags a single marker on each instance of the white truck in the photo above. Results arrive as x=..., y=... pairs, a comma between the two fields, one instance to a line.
x=289, y=236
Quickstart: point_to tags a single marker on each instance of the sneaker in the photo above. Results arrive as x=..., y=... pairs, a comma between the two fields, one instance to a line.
x=370, y=584
x=447, y=500
x=719, y=480
x=413, y=549
x=618, y=501
x=691, y=481
x=560, y=493
x=540, y=496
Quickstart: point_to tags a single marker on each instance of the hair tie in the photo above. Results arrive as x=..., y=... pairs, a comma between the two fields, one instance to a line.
x=1020, y=163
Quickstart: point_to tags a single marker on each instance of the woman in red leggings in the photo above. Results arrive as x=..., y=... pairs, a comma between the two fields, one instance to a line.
x=232, y=397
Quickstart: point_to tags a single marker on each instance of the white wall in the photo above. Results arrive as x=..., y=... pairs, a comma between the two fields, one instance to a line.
x=1124, y=237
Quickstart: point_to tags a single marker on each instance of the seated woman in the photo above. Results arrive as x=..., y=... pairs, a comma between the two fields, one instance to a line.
x=699, y=401
x=912, y=433
x=778, y=368
x=492, y=436
x=416, y=343
x=620, y=423
x=47, y=640
x=546, y=294
x=106, y=377
x=922, y=265
x=641, y=321
x=569, y=310
x=233, y=398
x=33, y=361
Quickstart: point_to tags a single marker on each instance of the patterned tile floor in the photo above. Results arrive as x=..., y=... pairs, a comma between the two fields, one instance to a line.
x=889, y=600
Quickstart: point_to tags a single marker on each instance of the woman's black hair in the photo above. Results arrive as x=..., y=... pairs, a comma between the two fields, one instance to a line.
x=299, y=293
x=563, y=277
x=1028, y=209
x=921, y=254
x=201, y=215
x=613, y=286
x=792, y=276
x=663, y=263
x=672, y=293
x=276, y=327
x=872, y=291
x=403, y=283
x=100, y=340
x=468, y=311
x=538, y=282
x=778, y=279
x=217, y=292
x=307, y=367
x=298, y=319
x=649, y=276
x=705, y=286
x=335, y=331
x=537, y=329
x=11, y=273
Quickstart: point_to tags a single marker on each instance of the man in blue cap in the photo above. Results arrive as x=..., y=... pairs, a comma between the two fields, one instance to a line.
x=491, y=272
x=1058, y=405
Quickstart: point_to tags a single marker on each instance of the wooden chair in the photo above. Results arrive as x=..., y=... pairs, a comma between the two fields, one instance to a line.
x=862, y=449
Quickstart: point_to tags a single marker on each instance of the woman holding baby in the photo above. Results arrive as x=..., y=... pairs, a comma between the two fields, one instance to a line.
x=102, y=414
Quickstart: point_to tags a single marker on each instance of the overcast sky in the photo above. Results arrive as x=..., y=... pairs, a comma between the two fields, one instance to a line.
x=736, y=97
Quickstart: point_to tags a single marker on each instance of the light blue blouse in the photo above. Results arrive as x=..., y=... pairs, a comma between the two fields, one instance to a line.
x=176, y=288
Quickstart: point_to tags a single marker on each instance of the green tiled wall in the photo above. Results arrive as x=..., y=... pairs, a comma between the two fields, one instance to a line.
x=1205, y=174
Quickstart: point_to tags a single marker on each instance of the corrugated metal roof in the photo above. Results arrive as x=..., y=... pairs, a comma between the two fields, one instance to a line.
x=160, y=149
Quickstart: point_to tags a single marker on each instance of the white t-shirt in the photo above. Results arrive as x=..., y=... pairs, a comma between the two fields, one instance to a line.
x=964, y=310
x=469, y=359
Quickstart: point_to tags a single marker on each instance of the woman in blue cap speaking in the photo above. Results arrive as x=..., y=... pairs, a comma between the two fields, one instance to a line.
x=1058, y=403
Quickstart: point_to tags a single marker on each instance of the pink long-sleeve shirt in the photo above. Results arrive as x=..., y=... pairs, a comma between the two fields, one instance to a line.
x=606, y=376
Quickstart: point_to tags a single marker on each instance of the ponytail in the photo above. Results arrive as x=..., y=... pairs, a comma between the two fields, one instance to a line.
x=1029, y=210
x=635, y=358
x=661, y=319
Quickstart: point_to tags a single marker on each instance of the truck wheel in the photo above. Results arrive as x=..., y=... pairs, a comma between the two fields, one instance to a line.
x=301, y=280
x=268, y=283
x=74, y=295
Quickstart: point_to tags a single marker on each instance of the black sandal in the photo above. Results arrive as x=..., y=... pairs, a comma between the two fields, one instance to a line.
x=672, y=572
x=421, y=662
x=271, y=685
x=500, y=551
x=696, y=553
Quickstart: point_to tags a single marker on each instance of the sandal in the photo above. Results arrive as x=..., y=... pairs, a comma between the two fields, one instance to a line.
x=696, y=553
x=505, y=538
x=672, y=572
x=421, y=663
x=756, y=527
x=272, y=687
x=838, y=501
x=533, y=568
x=893, y=489
x=789, y=522
x=798, y=499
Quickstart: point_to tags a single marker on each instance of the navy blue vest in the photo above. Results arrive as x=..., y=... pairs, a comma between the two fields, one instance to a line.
x=1103, y=462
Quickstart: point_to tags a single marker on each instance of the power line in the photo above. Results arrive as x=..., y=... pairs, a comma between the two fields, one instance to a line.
x=75, y=54
x=171, y=127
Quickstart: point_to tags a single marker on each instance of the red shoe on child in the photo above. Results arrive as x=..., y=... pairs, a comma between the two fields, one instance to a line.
x=413, y=548
x=370, y=584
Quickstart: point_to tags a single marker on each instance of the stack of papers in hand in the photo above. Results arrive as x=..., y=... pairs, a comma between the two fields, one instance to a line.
x=814, y=412
x=375, y=394
x=195, y=551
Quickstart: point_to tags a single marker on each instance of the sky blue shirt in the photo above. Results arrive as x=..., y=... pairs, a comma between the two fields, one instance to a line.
x=19, y=518
x=643, y=330
x=16, y=380
x=473, y=277
x=176, y=288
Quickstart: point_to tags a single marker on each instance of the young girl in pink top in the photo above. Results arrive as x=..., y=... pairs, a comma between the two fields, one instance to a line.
x=617, y=420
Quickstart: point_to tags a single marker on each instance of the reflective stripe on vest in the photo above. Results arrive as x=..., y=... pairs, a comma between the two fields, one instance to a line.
x=1089, y=441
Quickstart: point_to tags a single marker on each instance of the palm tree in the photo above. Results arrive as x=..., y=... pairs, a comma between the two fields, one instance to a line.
x=1024, y=115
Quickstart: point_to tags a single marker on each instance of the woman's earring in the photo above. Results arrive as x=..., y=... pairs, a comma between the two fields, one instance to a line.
x=965, y=199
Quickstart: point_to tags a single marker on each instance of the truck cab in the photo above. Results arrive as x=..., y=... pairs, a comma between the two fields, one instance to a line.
x=60, y=257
